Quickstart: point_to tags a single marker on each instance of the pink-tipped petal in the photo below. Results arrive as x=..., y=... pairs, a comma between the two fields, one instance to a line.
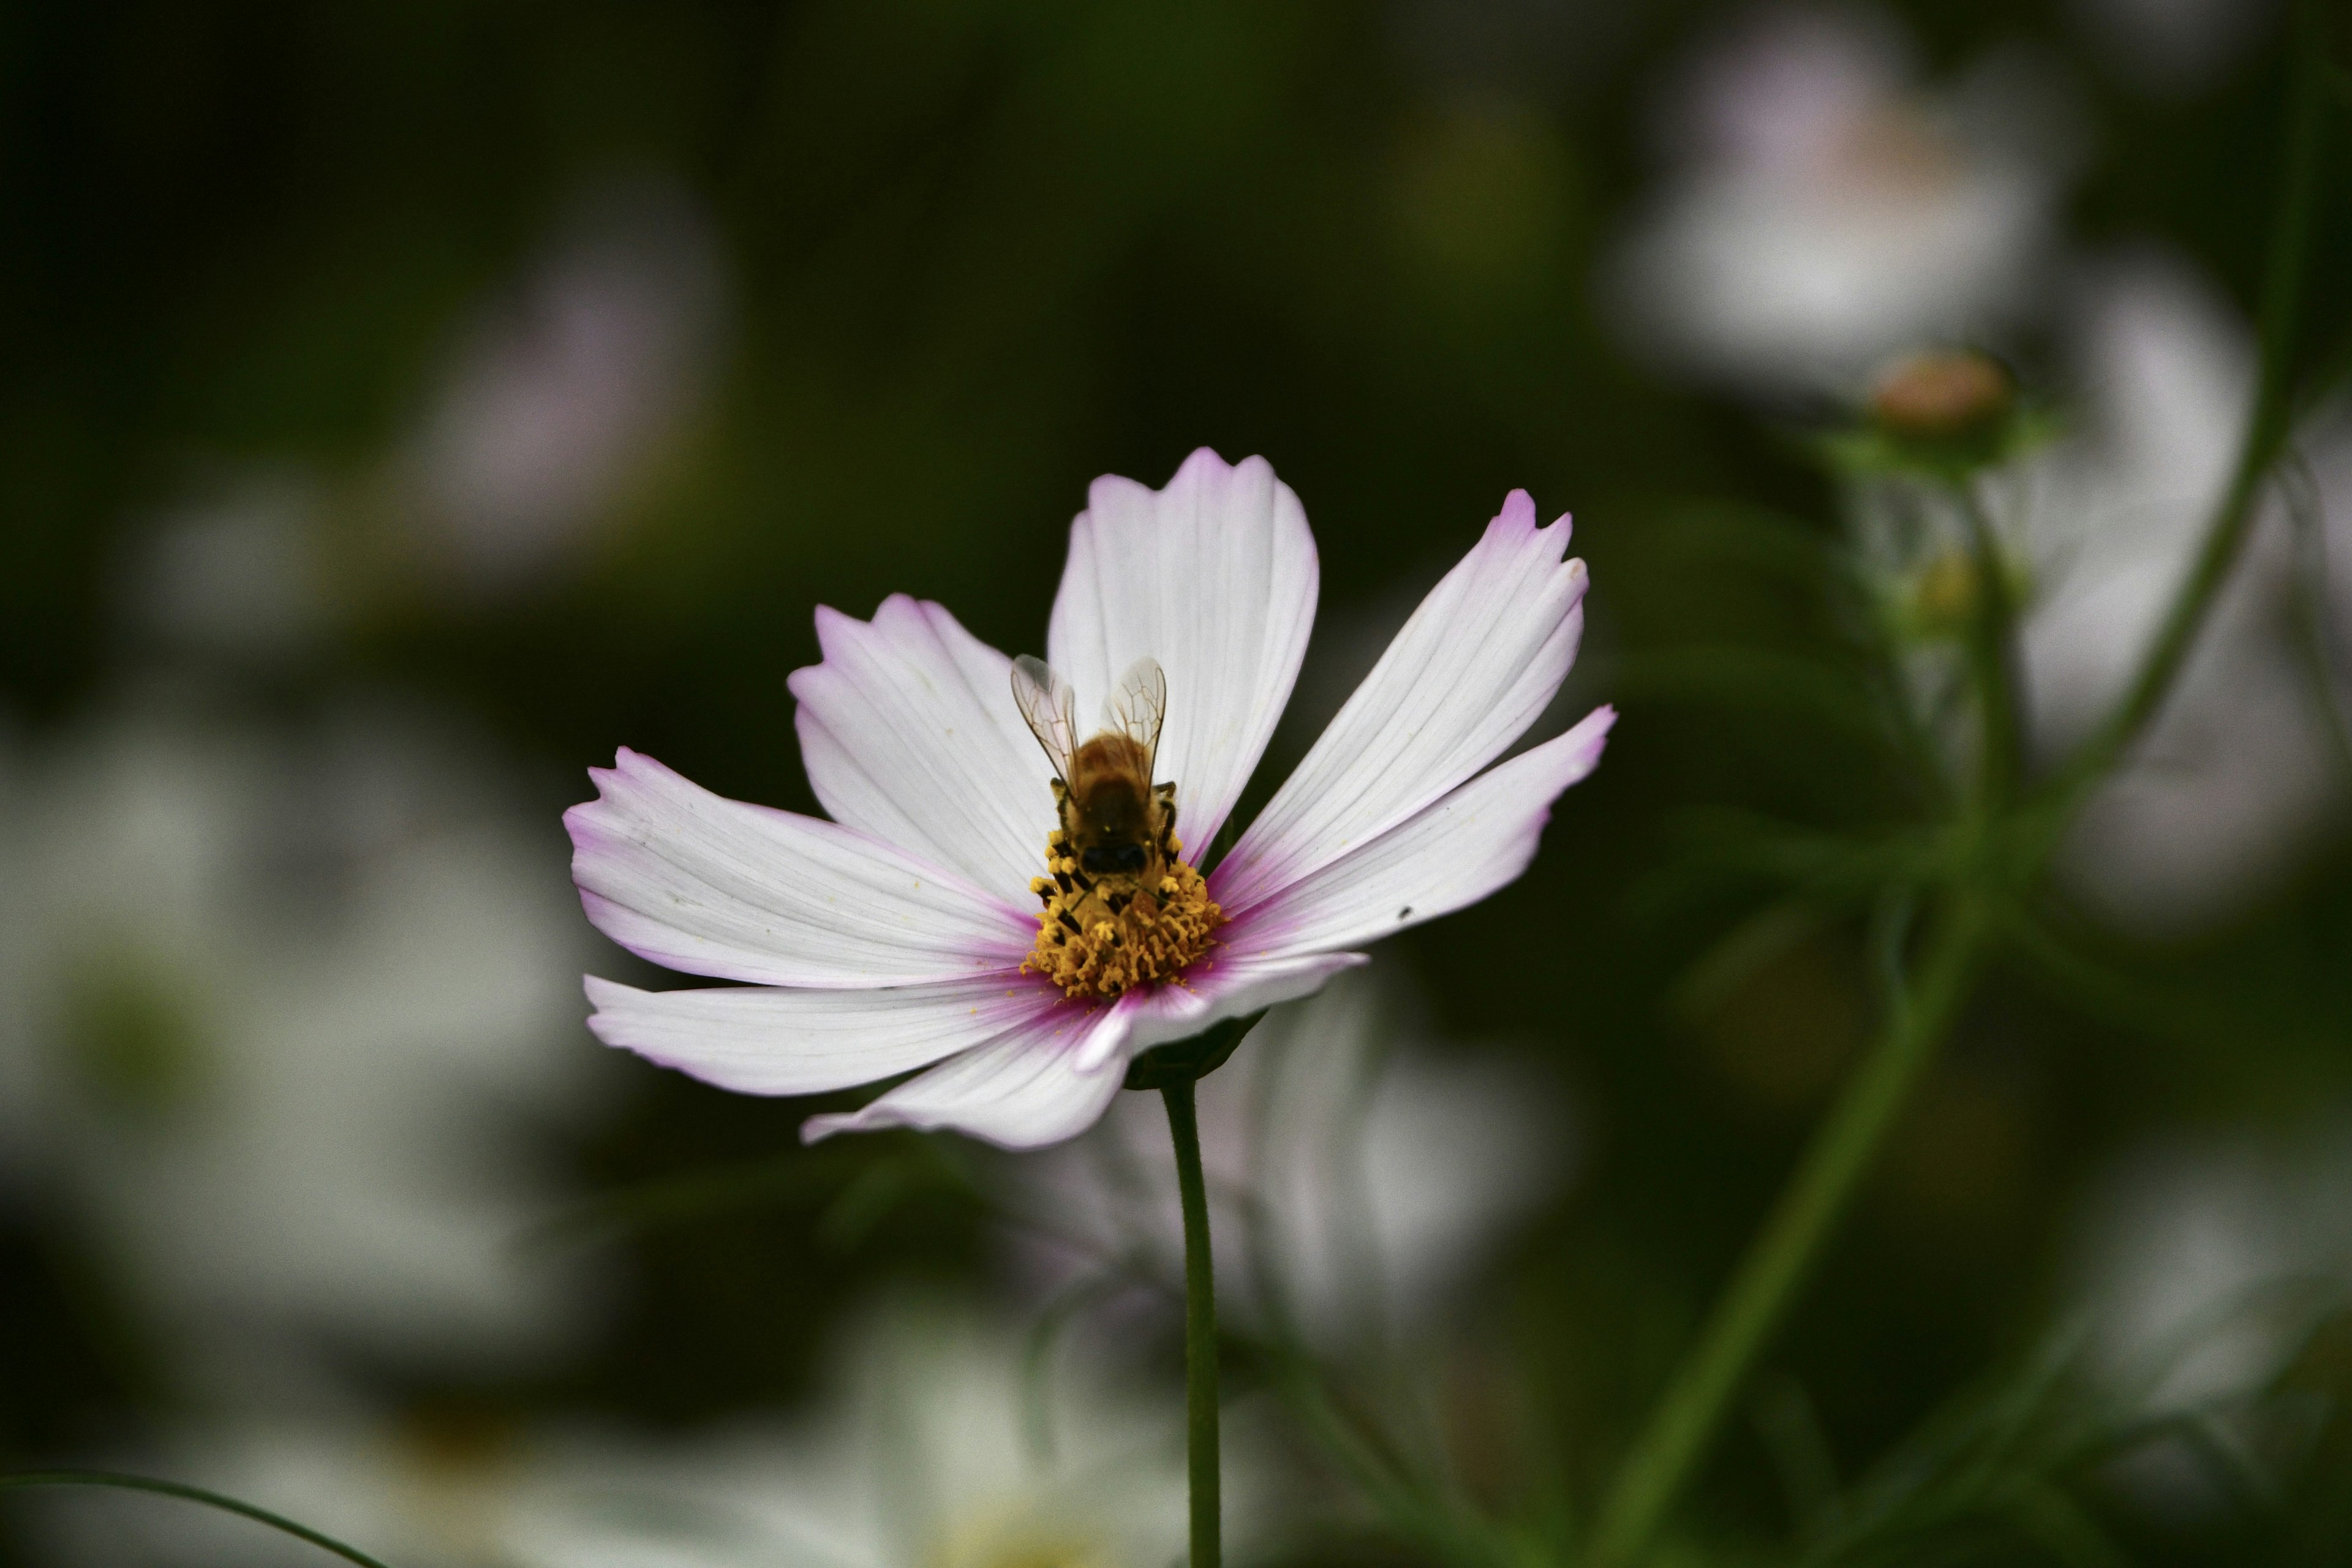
x=1022, y=1091
x=1215, y=576
x=1447, y=857
x=1480, y=658
x=1238, y=984
x=758, y=1039
x=711, y=886
x=910, y=734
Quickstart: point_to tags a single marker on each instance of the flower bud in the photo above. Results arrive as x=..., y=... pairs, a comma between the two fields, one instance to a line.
x=1943, y=598
x=1940, y=601
x=1944, y=395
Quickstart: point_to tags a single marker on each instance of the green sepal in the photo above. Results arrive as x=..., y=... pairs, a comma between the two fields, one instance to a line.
x=1868, y=447
x=1184, y=1061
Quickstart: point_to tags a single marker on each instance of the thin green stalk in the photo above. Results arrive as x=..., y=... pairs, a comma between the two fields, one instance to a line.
x=2266, y=432
x=1993, y=652
x=189, y=1494
x=1676, y=1438
x=1690, y=1413
x=1200, y=1326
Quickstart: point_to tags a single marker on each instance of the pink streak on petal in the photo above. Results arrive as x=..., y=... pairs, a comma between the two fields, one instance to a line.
x=767, y=1039
x=1481, y=656
x=1214, y=575
x=696, y=882
x=1462, y=849
x=1021, y=1090
x=909, y=733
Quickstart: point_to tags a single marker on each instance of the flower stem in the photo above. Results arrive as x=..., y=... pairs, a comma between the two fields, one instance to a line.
x=1200, y=1326
x=1688, y=1417
x=186, y=1493
x=2267, y=430
x=1992, y=652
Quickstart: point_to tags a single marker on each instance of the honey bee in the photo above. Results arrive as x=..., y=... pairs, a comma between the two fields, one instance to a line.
x=1116, y=824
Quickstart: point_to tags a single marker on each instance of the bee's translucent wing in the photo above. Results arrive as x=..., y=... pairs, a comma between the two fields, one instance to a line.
x=1051, y=708
x=1139, y=706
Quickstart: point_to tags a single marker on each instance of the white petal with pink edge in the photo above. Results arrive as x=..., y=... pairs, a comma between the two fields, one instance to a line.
x=1449, y=856
x=1479, y=659
x=1020, y=1091
x=1215, y=576
x=910, y=734
x=758, y=1039
x=711, y=886
x=1232, y=985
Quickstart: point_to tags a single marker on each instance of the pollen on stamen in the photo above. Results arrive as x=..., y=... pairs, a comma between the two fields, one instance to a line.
x=1094, y=950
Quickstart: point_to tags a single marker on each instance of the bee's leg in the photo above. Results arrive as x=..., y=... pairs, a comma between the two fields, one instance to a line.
x=1164, y=797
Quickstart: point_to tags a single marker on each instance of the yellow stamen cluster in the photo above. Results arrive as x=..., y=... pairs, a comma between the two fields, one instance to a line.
x=1100, y=936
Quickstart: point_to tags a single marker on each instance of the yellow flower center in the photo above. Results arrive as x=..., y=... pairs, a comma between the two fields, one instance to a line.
x=1099, y=936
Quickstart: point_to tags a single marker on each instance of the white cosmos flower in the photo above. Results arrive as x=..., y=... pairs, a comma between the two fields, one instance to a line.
x=279, y=1012
x=565, y=392
x=895, y=936
x=2219, y=801
x=2201, y=1259
x=1366, y=1172
x=1823, y=212
x=2236, y=777
x=2173, y=48
x=947, y=1446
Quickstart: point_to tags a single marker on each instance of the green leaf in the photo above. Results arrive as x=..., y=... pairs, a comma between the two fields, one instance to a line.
x=1186, y=1061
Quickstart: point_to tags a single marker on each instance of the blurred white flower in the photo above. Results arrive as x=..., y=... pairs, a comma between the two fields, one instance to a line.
x=941, y=1451
x=280, y=1018
x=2200, y=1263
x=2173, y=47
x=2238, y=771
x=243, y=570
x=1822, y=212
x=566, y=390
x=1357, y=1175
x=548, y=417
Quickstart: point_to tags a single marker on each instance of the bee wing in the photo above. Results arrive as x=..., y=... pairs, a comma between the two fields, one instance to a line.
x=1051, y=709
x=1139, y=706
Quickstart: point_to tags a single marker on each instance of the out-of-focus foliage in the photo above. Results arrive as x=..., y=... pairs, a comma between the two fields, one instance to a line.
x=401, y=405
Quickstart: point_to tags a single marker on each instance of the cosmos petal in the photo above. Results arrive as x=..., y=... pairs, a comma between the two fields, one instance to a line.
x=1215, y=576
x=759, y=1039
x=711, y=886
x=1237, y=984
x=1022, y=1090
x=1448, y=855
x=910, y=734
x=1478, y=660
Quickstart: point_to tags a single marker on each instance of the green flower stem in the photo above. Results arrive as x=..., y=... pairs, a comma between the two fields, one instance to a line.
x=2266, y=434
x=1200, y=1326
x=1173, y=1070
x=189, y=1494
x=1685, y=1420
x=1992, y=655
x=1680, y=1430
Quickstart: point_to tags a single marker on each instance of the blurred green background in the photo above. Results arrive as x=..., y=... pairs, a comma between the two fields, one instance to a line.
x=531, y=373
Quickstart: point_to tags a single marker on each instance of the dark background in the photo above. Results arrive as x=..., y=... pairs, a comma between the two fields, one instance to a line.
x=971, y=256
